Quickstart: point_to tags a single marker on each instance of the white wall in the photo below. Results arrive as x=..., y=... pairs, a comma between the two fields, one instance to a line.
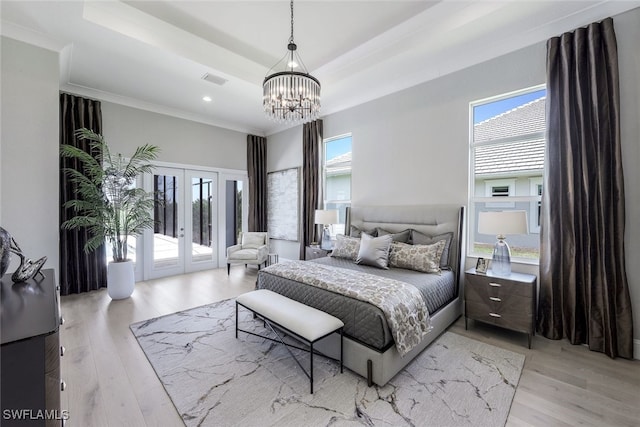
x=29, y=150
x=627, y=28
x=284, y=151
x=181, y=141
x=412, y=147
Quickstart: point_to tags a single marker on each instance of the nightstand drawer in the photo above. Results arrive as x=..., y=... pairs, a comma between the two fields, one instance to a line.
x=514, y=313
x=313, y=253
x=497, y=286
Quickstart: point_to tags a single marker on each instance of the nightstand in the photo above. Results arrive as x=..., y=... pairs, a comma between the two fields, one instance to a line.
x=508, y=302
x=313, y=253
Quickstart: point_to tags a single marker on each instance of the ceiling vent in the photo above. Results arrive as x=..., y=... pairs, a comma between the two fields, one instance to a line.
x=214, y=79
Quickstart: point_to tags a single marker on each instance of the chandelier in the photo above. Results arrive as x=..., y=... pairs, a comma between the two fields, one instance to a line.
x=291, y=94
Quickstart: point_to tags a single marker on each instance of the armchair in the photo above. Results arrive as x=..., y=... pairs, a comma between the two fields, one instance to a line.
x=252, y=249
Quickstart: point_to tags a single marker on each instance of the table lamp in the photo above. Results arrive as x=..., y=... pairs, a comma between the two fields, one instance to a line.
x=326, y=217
x=501, y=223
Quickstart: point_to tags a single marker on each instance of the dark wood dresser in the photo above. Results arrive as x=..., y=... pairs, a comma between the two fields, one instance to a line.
x=508, y=302
x=31, y=351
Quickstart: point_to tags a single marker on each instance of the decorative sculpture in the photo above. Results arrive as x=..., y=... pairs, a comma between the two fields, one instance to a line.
x=27, y=268
x=5, y=250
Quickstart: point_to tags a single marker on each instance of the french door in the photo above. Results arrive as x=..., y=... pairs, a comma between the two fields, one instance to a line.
x=185, y=235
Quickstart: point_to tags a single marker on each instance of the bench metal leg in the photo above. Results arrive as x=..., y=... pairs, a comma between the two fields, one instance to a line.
x=311, y=367
x=369, y=372
x=236, y=320
x=341, y=347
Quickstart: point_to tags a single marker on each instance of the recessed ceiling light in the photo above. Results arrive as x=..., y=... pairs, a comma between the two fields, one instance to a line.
x=206, y=99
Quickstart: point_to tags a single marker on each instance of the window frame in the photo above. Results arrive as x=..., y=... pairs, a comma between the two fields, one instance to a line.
x=535, y=185
x=323, y=180
x=508, y=202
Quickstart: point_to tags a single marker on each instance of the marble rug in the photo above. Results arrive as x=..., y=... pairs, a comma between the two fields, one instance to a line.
x=215, y=379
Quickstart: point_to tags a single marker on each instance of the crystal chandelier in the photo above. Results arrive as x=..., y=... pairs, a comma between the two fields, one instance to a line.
x=292, y=94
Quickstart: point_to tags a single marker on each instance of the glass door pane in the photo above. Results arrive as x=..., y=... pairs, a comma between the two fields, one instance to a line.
x=202, y=222
x=168, y=232
x=201, y=216
x=233, y=212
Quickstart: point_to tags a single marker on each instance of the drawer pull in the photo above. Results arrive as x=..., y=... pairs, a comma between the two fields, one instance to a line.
x=495, y=285
x=495, y=299
x=494, y=315
x=62, y=350
x=63, y=385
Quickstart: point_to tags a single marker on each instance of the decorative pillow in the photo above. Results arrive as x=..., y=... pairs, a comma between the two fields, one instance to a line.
x=252, y=241
x=346, y=247
x=417, y=238
x=374, y=251
x=356, y=232
x=402, y=236
x=423, y=258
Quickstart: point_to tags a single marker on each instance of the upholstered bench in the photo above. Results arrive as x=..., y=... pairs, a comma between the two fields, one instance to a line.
x=305, y=323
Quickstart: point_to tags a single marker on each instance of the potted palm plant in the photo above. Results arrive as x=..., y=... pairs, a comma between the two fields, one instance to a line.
x=108, y=203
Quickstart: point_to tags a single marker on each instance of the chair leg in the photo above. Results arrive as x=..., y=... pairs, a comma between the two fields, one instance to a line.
x=228, y=268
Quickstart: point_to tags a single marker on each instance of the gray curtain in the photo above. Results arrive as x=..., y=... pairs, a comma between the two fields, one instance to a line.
x=311, y=140
x=584, y=294
x=257, y=171
x=79, y=271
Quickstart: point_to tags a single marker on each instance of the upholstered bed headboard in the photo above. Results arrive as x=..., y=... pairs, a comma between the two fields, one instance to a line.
x=427, y=219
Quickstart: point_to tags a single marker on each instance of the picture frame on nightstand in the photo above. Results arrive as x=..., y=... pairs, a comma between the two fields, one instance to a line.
x=482, y=266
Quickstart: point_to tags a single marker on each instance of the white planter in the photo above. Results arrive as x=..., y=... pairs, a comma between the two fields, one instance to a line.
x=120, y=279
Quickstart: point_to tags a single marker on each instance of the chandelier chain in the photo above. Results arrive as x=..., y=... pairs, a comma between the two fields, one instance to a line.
x=291, y=38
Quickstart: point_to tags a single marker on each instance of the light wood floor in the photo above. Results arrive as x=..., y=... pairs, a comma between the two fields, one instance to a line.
x=110, y=382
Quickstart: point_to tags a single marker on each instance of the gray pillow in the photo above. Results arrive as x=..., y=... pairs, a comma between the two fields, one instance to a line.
x=418, y=238
x=356, y=232
x=374, y=251
x=402, y=236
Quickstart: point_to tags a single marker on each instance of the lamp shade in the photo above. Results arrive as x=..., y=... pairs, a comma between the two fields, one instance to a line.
x=502, y=222
x=326, y=216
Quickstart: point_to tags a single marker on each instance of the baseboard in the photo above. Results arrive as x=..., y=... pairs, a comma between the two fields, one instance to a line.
x=636, y=349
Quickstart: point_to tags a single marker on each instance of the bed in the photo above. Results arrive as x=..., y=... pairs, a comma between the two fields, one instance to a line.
x=371, y=348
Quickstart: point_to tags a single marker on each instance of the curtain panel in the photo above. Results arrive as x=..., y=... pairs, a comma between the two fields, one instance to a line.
x=79, y=271
x=257, y=171
x=311, y=196
x=584, y=294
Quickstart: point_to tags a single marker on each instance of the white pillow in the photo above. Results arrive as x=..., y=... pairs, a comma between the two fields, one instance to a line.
x=252, y=241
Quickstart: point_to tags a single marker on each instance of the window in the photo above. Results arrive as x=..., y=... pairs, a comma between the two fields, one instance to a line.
x=336, y=178
x=507, y=164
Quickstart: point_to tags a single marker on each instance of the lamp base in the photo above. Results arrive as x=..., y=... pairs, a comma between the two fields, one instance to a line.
x=326, y=239
x=501, y=261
